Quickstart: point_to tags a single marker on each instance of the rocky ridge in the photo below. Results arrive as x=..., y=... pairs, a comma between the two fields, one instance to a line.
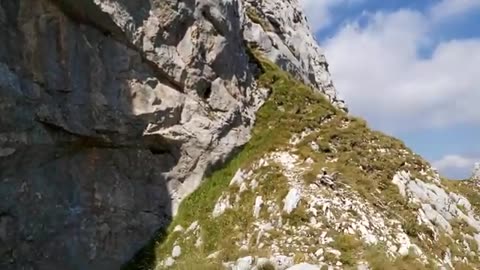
x=280, y=30
x=113, y=110
x=265, y=209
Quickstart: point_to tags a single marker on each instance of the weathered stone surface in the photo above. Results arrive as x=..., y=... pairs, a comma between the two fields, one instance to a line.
x=438, y=205
x=291, y=200
x=280, y=29
x=100, y=130
x=111, y=111
x=176, y=252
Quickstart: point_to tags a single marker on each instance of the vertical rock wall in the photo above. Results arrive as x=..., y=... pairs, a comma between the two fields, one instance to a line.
x=111, y=111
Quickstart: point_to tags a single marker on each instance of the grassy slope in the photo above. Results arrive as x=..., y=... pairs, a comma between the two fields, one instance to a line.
x=273, y=129
x=291, y=109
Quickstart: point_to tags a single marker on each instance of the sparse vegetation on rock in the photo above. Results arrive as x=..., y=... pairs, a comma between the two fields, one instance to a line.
x=365, y=221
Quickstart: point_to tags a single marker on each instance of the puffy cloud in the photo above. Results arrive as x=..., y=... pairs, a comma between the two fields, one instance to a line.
x=455, y=165
x=394, y=70
x=378, y=69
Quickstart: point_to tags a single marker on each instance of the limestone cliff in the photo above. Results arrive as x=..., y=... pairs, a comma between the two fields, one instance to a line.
x=214, y=127
x=113, y=110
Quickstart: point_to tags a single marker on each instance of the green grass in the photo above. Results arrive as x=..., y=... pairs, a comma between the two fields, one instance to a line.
x=460, y=225
x=465, y=188
x=299, y=215
x=291, y=108
x=378, y=260
x=252, y=13
x=350, y=246
x=272, y=131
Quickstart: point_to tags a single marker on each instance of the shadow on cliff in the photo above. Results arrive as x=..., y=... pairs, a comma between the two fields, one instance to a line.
x=81, y=187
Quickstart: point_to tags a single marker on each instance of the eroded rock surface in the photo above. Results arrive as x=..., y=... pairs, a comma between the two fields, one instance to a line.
x=99, y=130
x=112, y=111
x=413, y=218
x=281, y=31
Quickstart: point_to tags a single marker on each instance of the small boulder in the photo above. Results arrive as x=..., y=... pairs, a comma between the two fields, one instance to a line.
x=257, y=207
x=178, y=228
x=176, y=252
x=282, y=262
x=169, y=262
x=291, y=200
x=244, y=263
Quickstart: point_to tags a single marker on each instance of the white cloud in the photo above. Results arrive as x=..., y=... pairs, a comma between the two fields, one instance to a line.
x=376, y=65
x=454, y=161
x=448, y=8
x=318, y=12
x=378, y=70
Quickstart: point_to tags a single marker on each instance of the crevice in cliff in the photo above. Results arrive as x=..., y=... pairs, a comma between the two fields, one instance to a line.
x=156, y=144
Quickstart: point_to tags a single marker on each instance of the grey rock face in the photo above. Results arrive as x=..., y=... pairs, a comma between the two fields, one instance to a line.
x=280, y=29
x=100, y=129
x=111, y=111
x=438, y=206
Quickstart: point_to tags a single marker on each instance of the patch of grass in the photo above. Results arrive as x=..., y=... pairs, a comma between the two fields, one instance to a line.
x=414, y=229
x=361, y=166
x=330, y=257
x=252, y=13
x=377, y=259
x=298, y=216
x=466, y=188
x=266, y=266
x=462, y=266
x=350, y=246
x=196, y=261
x=472, y=243
x=274, y=186
x=310, y=177
x=272, y=131
x=459, y=225
x=462, y=208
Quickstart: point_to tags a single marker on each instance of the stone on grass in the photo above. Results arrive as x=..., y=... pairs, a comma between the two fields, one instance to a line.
x=176, y=252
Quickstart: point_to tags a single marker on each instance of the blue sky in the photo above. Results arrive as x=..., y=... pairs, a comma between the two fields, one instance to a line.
x=411, y=68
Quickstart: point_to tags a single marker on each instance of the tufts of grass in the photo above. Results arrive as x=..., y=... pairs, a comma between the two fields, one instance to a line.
x=462, y=266
x=378, y=260
x=350, y=246
x=299, y=215
x=460, y=225
x=266, y=266
x=414, y=229
x=271, y=132
x=253, y=14
x=197, y=261
x=353, y=145
x=466, y=188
